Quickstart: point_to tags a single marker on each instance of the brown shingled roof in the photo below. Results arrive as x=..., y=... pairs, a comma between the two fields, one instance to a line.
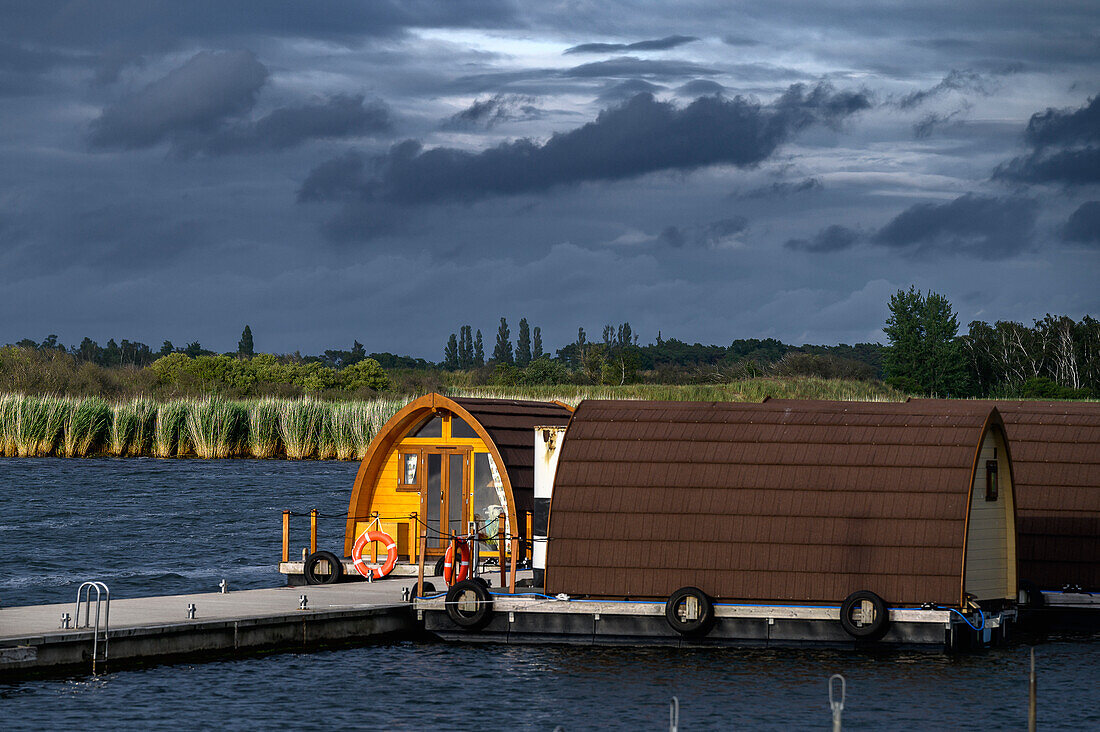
x=511, y=423
x=764, y=502
x=1056, y=458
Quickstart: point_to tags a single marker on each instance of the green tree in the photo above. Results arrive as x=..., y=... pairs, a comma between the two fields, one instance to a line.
x=523, y=344
x=450, y=353
x=537, y=351
x=479, y=350
x=244, y=345
x=465, y=348
x=502, y=352
x=925, y=354
x=367, y=373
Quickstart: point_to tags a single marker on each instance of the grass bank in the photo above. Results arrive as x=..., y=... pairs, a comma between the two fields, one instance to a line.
x=300, y=429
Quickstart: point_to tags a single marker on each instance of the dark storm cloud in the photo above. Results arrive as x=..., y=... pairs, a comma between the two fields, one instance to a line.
x=980, y=226
x=633, y=67
x=641, y=136
x=490, y=112
x=340, y=116
x=1063, y=127
x=617, y=93
x=956, y=80
x=927, y=124
x=152, y=24
x=1064, y=148
x=194, y=99
x=740, y=41
x=660, y=44
x=333, y=179
x=700, y=88
x=830, y=239
x=783, y=188
x=708, y=236
x=1084, y=224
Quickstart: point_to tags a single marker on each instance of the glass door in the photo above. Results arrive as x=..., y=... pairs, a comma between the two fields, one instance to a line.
x=443, y=504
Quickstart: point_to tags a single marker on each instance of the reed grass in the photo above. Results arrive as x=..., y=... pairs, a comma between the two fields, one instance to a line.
x=86, y=426
x=263, y=428
x=171, y=436
x=131, y=430
x=216, y=428
x=300, y=426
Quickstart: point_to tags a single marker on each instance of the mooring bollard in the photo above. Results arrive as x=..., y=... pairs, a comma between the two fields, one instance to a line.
x=836, y=703
x=190, y=611
x=65, y=620
x=224, y=585
x=303, y=602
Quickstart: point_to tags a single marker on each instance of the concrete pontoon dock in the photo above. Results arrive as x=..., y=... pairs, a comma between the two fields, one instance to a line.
x=541, y=619
x=155, y=629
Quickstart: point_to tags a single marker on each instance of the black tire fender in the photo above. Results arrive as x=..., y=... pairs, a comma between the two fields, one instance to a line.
x=880, y=616
x=438, y=567
x=429, y=588
x=677, y=605
x=336, y=567
x=458, y=598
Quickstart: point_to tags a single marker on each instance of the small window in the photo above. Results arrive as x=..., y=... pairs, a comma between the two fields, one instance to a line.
x=991, y=480
x=461, y=429
x=408, y=469
x=430, y=427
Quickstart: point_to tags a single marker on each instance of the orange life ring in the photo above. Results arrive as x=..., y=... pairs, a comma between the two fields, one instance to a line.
x=370, y=570
x=463, y=562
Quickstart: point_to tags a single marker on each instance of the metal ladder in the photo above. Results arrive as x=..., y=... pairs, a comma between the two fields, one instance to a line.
x=102, y=599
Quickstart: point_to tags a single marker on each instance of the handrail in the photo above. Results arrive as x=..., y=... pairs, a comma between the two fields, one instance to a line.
x=101, y=590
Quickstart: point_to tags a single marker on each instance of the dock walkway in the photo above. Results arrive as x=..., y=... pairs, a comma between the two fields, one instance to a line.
x=152, y=629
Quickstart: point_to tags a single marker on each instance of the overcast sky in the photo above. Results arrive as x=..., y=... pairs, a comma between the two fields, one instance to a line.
x=389, y=171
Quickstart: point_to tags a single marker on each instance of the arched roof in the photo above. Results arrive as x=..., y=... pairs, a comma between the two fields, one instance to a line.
x=800, y=502
x=1056, y=457
x=506, y=426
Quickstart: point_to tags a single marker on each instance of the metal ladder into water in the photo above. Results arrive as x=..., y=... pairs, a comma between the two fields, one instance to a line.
x=102, y=600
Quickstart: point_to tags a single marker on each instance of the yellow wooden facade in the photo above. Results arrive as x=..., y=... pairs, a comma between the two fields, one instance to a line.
x=383, y=499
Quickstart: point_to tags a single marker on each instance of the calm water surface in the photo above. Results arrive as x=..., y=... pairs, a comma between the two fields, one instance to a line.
x=156, y=527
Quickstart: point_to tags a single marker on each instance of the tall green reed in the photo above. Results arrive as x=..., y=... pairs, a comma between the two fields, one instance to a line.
x=171, y=437
x=217, y=427
x=263, y=428
x=86, y=427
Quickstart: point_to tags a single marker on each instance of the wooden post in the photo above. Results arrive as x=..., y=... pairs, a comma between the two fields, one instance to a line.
x=1031, y=701
x=286, y=536
x=500, y=552
x=415, y=538
x=515, y=551
x=312, y=530
x=374, y=545
x=420, y=572
x=528, y=535
x=454, y=561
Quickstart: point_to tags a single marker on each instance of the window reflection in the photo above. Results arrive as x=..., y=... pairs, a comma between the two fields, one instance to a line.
x=489, y=503
x=430, y=427
x=461, y=429
x=409, y=471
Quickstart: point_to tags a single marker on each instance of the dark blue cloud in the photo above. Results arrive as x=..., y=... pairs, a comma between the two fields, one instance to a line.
x=194, y=99
x=1064, y=148
x=830, y=239
x=641, y=136
x=1084, y=224
x=981, y=226
x=659, y=44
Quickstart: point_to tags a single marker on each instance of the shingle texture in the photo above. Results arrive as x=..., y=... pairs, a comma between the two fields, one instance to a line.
x=511, y=423
x=803, y=502
x=1055, y=450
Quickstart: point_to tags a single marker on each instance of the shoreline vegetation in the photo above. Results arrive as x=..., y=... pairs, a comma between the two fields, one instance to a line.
x=307, y=428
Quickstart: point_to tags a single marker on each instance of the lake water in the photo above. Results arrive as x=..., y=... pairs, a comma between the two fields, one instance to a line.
x=150, y=527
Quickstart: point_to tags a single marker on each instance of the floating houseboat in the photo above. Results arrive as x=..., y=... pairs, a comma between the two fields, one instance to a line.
x=1056, y=459
x=440, y=468
x=732, y=523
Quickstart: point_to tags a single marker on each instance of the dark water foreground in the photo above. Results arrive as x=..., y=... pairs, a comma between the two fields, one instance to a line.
x=157, y=527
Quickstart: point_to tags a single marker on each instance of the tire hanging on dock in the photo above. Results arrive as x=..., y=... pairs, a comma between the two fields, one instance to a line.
x=690, y=612
x=469, y=604
x=865, y=628
x=369, y=570
x=335, y=573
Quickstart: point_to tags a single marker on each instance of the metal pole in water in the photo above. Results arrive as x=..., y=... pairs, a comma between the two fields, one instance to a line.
x=674, y=715
x=1031, y=696
x=837, y=704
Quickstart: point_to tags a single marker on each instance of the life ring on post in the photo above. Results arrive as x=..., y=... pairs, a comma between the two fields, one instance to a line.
x=369, y=570
x=450, y=576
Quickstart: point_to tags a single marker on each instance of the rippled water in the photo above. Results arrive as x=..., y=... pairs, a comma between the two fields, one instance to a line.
x=154, y=527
